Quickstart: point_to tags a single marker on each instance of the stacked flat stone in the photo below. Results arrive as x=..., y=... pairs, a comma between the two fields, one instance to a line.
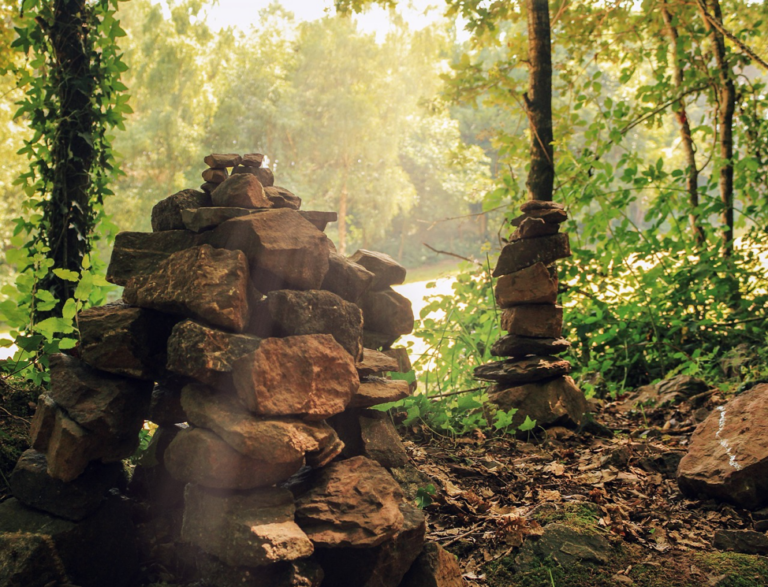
x=531, y=379
x=240, y=334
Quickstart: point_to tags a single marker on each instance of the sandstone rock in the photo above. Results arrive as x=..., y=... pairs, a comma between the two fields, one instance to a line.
x=380, y=566
x=270, y=440
x=552, y=216
x=376, y=390
x=241, y=191
x=558, y=402
x=165, y=404
x=523, y=253
x=69, y=449
x=743, y=541
x=565, y=546
x=222, y=161
x=200, y=219
x=539, y=321
x=513, y=345
x=202, y=283
x=352, y=503
x=284, y=250
x=534, y=227
x=683, y=386
x=282, y=198
x=31, y=485
x=378, y=340
x=376, y=363
x=403, y=360
x=435, y=567
x=208, y=187
x=215, y=175
x=310, y=376
x=728, y=453
x=206, y=354
x=300, y=573
x=42, y=422
x=98, y=551
x=110, y=406
x=330, y=449
x=263, y=174
x=253, y=160
x=319, y=219
x=536, y=205
x=523, y=370
x=123, y=340
x=199, y=456
x=381, y=442
x=29, y=560
x=290, y=313
x=386, y=270
x=253, y=529
x=166, y=214
x=387, y=312
x=532, y=285
x=138, y=253
x=346, y=279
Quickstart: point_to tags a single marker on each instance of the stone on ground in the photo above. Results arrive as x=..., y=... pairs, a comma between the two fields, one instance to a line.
x=201, y=283
x=435, y=567
x=207, y=354
x=558, y=402
x=377, y=390
x=29, y=560
x=284, y=250
x=386, y=270
x=513, y=345
x=199, y=456
x=387, y=312
x=167, y=213
x=311, y=376
x=291, y=312
x=352, y=503
x=523, y=253
x=728, y=453
x=346, y=279
x=532, y=285
x=565, y=546
x=124, y=340
x=743, y=541
x=537, y=321
x=138, y=253
x=524, y=370
x=241, y=190
x=250, y=529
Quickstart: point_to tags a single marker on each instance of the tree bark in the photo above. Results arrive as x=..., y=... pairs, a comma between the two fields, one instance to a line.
x=538, y=101
x=68, y=216
x=727, y=105
x=686, y=140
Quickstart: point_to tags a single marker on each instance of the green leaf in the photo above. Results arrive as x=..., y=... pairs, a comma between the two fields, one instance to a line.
x=527, y=425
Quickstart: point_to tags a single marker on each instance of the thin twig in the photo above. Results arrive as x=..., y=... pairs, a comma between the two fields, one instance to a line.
x=450, y=254
x=450, y=393
x=14, y=415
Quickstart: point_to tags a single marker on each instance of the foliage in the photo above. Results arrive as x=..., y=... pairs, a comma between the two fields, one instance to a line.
x=40, y=322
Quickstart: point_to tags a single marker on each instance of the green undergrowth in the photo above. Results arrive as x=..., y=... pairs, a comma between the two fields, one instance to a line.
x=580, y=516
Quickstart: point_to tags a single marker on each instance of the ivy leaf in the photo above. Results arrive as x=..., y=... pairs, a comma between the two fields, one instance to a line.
x=66, y=274
x=527, y=425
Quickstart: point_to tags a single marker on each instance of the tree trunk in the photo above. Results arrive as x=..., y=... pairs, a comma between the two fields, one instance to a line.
x=692, y=176
x=727, y=105
x=538, y=101
x=68, y=215
x=342, y=223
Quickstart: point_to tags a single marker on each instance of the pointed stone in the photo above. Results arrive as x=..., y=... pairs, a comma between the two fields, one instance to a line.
x=43, y=422
x=166, y=214
x=202, y=283
x=346, y=278
x=532, y=285
x=523, y=370
x=541, y=321
x=197, y=455
x=241, y=191
x=520, y=254
x=253, y=529
x=386, y=270
x=310, y=376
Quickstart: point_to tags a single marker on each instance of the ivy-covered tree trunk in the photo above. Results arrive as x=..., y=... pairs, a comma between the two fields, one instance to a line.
x=538, y=101
x=68, y=218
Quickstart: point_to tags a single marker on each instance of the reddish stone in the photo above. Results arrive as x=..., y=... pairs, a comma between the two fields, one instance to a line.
x=376, y=390
x=512, y=345
x=376, y=363
x=222, y=161
x=215, y=175
x=435, y=567
x=386, y=270
x=380, y=439
x=201, y=283
x=282, y=198
x=310, y=376
x=538, y=205
x=241, y=191
x=200, y=219
x=523, y=370
x=280, y=246
x=209, y=186
x=139, y=253
x=387, y=312
x=199, y=456
x=347, y=279
x=534, y=227
x=42, y=422
x=551, y=216
x=352, y=503
x=319, y=219
x=542, y=321
x=69, y=449
x=532, y=285
x=252, y=160
x=166, y=214
x=263, y=174
x=728, y=453
x=523, y=253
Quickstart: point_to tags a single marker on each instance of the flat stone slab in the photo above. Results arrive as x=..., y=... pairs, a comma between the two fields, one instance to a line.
x=376, y=363
x=523, y=253
x=222, y=160
x=523, y=370
x=200, y=219
x=513, y=345
x=139, y=253
x=376, y=390
x=319, y=219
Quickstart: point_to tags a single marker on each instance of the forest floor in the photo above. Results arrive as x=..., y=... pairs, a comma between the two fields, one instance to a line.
x=598, y=508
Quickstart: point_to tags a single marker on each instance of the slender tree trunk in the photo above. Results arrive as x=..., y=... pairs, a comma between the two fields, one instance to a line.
x=68, y=215
x=538, y=101
x=342, y=224
x=727, y=103
x=692, y=176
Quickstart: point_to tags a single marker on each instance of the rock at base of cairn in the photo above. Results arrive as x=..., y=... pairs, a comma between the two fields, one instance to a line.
x=728, y=453
x=435, y=567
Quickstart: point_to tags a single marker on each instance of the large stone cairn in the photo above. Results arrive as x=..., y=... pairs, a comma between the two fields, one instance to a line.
x=530, y=378
x=240, y=334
